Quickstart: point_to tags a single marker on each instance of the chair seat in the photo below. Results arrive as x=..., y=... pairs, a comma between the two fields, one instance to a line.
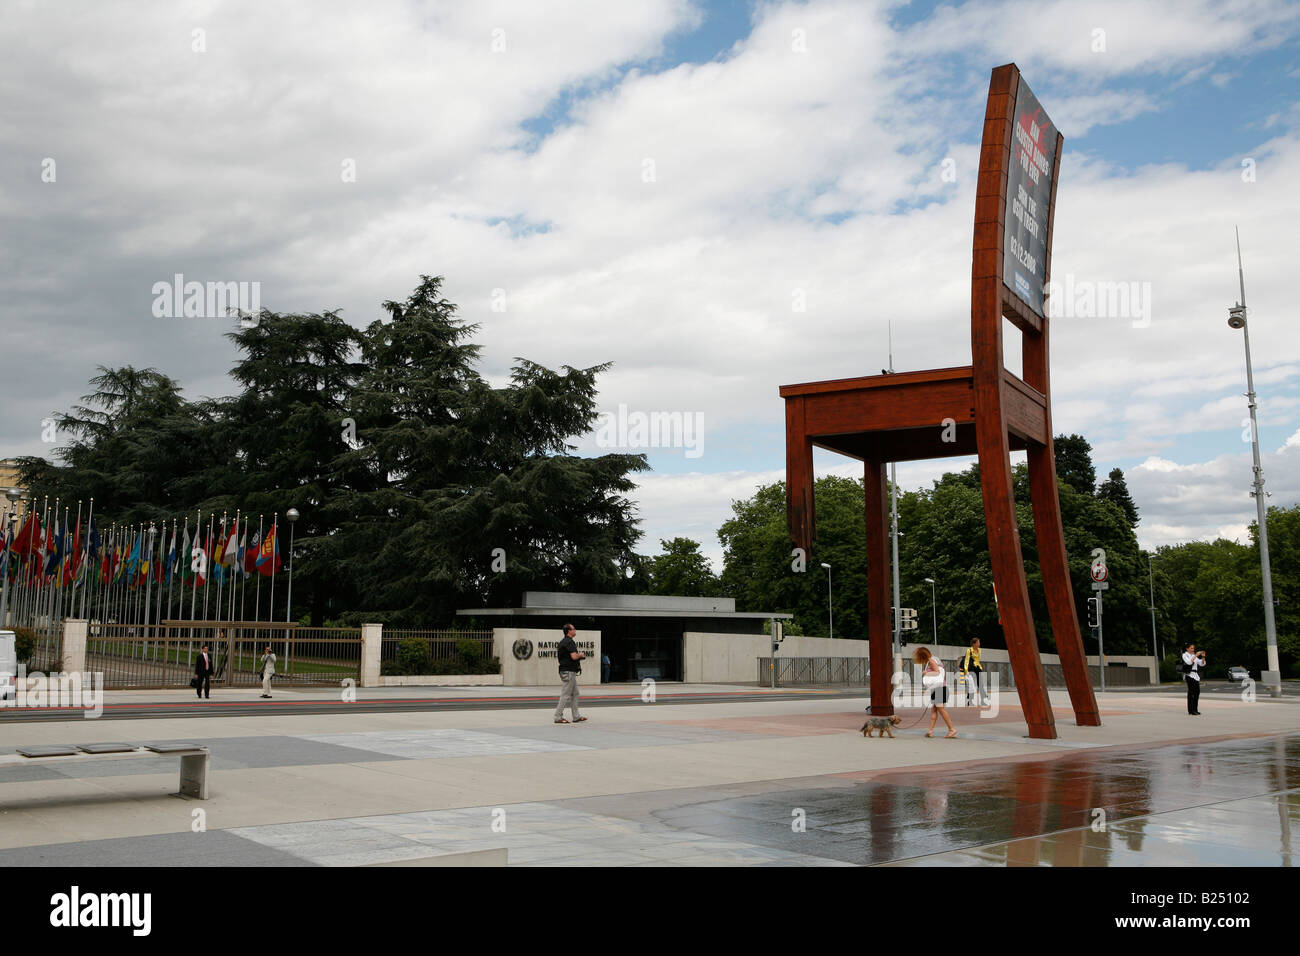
x=909, y=416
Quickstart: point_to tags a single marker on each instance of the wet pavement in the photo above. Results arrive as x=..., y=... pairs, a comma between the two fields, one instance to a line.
x=777, y=782
x=1225, y=803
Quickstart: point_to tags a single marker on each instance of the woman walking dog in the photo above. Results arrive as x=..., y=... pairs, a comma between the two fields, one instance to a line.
x=932, y=680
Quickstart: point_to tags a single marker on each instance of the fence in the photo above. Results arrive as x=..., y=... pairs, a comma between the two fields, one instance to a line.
x=47, y=653
x=441, y=645
x=813, y=670
x=162, y=656
x=854, y=671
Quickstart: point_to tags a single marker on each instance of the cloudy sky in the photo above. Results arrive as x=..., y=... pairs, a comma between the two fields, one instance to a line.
x=717, y=197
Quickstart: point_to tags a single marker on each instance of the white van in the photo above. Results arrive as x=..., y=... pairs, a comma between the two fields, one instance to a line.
x=8, y=664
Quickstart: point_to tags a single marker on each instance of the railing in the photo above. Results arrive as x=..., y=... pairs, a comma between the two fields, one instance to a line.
x=441, y=644
x=161, y=656
x=47, y=653
x=813, y=670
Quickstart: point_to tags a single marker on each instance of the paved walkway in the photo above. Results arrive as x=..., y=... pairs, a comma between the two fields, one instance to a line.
x=775, y=781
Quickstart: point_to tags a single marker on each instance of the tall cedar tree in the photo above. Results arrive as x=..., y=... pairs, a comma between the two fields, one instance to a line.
x=471, y=495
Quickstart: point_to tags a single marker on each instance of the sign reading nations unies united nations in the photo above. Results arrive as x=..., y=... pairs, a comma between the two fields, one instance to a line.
x=1029, y=194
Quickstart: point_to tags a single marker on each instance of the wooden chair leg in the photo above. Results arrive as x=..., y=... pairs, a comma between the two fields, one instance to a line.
x=800, y=506
x=879, y=594
x=1009, y=577
x=1056, y=584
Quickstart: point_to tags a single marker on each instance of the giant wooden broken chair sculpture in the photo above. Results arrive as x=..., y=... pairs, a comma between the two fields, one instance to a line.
x=980, y=409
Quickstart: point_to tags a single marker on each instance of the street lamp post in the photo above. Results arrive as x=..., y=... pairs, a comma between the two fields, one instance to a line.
x=830, y=606
x=1237, y=320
x=292, y=515
x=934, y=607
x=1151, y=581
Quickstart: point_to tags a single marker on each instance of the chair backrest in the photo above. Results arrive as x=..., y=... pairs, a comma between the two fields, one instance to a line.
x=1015, y=202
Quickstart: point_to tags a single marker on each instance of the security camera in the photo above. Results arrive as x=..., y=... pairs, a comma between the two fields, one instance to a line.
x=1237, y=317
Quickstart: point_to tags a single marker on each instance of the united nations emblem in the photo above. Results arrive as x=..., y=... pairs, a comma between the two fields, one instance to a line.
x=523, y=649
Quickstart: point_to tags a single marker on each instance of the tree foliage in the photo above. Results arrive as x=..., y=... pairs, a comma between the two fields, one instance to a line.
x=421, y=487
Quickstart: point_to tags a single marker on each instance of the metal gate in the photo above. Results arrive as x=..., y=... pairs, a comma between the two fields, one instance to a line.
x=163, y=656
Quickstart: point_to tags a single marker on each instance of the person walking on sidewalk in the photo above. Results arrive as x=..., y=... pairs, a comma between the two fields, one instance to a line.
x=972, y=675
x=203, y=669
x=268, y=671
x=934, y=683
x=569, y=656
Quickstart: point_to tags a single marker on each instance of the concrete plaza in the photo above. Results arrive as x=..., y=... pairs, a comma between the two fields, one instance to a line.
x=771, y=781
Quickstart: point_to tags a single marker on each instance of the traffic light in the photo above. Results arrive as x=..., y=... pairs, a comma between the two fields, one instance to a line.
x=1094, y=613
x=908, y=619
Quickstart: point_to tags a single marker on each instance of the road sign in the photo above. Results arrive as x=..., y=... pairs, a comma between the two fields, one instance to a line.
x=1098, y=568
x=1101, y=585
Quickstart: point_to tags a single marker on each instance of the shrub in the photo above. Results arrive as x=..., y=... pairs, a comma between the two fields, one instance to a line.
x=25, y=642
x=412, y=657
x=471, y=655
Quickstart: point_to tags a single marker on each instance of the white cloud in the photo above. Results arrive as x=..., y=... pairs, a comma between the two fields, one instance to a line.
x=226, y=165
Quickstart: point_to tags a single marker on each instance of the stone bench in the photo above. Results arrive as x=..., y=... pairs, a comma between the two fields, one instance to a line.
x=194, y=759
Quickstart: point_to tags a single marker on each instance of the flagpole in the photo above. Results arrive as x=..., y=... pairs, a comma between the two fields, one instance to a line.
x=85, y=558
x=172, y=561
x=257, y=598
x=194, y=579
x=218, y=568
x=207, y=552
x=275, y=546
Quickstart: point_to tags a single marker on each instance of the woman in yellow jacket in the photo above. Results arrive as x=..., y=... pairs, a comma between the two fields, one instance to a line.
x=972, y=674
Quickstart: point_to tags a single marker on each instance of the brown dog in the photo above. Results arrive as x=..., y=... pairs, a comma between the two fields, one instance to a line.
x=881, y=724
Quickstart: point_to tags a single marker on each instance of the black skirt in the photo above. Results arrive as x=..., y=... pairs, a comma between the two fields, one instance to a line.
x=939, y=695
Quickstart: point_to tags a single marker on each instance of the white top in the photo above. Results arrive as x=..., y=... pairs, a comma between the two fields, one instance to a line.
x=1194, y=662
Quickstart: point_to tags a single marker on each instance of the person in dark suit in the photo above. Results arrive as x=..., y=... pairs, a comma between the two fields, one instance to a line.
x=204, y=665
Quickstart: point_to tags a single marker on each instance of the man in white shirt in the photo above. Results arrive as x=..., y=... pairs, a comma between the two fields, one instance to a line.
x=1193, y=661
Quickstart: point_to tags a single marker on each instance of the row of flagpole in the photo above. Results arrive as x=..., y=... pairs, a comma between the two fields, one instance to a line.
x=50, y=573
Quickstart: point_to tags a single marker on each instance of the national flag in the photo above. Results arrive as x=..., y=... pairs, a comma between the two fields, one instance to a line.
x=171, y=557
x=199, y=559
x=6, y=552
x=183, y=557
x=160, y=558
x=29, y=535
x=72, y=561
x=54, y=550
x=241, y=557
x=133, y=558
x=251, y=553
x=268, y=555
x=230, y=550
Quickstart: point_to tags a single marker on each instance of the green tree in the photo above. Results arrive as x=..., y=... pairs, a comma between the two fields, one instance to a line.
x=136, y=445
x=1074, y=462
x=683, y=570
x=470, y=493
x=1115, y=489
x=761, y=573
